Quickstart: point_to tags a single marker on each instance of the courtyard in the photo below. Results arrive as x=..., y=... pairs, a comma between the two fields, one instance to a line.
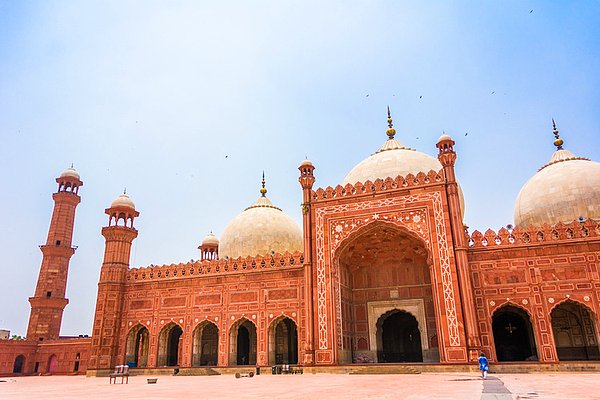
x=461, y=386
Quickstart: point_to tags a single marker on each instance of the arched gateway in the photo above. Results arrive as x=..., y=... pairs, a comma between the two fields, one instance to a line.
x=137, y=347
x=513, y=335
x=386, y=297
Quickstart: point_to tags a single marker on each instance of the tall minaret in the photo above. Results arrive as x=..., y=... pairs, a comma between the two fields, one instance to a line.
x=307, y=180
x=49, y=302
x=119, y=235
x=447, y=157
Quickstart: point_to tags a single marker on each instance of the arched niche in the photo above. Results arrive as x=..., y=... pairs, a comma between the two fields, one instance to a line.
x=136, y=348
x=169, y=347
x=205, y=344
x=283, y=341
x=575, y=332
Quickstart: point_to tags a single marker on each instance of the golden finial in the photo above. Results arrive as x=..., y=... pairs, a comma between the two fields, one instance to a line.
x=390, y=131
x=558, y=142
x=263, y=189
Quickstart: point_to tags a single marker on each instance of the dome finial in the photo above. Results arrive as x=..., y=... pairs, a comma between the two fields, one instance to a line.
x=71, y=165
x=558, y=142
x=125, y=190
x=263, y=189
x=390, y=131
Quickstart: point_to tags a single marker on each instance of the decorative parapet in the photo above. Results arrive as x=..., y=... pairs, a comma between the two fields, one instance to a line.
x=532, y=235
x=380, y=185
x=273, y=262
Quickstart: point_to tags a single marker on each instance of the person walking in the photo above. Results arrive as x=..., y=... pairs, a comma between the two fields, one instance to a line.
x=483, y=365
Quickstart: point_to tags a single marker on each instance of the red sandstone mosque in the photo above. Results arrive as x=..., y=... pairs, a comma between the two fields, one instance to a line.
x=383, y=270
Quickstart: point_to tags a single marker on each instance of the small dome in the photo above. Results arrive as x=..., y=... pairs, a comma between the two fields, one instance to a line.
x=566, y=188
x=260, y=229
x=123, y=201
x=306, y=163
x=392, y=159
x=70, y=172
x=210, y=240
x=444, y=137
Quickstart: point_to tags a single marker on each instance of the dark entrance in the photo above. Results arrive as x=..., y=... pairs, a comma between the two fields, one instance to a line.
x=173, y=346
x=243, y=346
x=18, y=366
x=400, y=338
x=574, y=332
x=513, y=335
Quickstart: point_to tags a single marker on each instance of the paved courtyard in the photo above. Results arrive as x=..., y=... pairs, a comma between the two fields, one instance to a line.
x=321, y=386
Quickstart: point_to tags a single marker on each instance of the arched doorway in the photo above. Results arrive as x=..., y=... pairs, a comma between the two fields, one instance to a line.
x=242, y=343
x=513, y=335
x=398, y=338
x=137, y=346
x=575, y=334
x=52, y=364
x=168, y=345
x=18, y=365
x=283, y=341
x=383, y=267
x=205, y=344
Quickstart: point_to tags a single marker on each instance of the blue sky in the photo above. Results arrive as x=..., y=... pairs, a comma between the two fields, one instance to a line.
x=186, y=103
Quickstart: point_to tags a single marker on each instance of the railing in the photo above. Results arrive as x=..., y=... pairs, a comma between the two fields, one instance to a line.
x=379, y=185
x=532, y=235
x=217, y=267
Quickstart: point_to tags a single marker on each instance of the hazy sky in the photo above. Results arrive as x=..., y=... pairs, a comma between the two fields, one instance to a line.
x=186, y=103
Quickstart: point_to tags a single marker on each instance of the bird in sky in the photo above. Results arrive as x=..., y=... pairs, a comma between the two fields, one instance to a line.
x=367, y=96
x=530, y=11
x=466, y=133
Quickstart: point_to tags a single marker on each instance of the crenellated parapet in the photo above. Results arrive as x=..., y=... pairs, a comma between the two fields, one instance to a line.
x=532, y=235
x=223, y=266
x=379, y=185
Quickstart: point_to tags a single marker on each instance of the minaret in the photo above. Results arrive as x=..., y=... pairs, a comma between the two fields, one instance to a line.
x=447, y=157
x=49, y=302
x=119, y=235
x=307, y=180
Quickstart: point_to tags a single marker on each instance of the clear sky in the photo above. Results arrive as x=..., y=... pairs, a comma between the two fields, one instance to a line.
x=186, y=103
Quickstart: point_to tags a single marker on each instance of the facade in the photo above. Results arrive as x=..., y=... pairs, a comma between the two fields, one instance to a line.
x=382, y=270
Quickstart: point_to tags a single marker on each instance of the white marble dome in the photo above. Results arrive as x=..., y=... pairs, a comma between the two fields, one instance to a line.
x=260, y=229
x=123, y=201
x=391, y=160
x=565, y=189
x=70, y=172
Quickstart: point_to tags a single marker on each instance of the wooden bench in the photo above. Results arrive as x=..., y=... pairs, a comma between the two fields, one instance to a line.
x=120, y=371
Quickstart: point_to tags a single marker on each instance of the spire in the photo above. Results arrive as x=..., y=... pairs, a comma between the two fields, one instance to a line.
x=390, y=131
x=124, y=190
x=558, y=142
x=263, y=189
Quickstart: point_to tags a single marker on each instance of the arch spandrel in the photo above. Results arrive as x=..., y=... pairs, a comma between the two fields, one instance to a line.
x=575, y=301
x=334, y=223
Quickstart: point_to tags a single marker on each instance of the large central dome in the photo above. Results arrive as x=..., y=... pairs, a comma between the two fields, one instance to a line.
x=391, y=160
x=259, y=230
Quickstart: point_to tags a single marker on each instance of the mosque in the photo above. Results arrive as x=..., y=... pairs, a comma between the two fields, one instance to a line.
x=383, y=270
